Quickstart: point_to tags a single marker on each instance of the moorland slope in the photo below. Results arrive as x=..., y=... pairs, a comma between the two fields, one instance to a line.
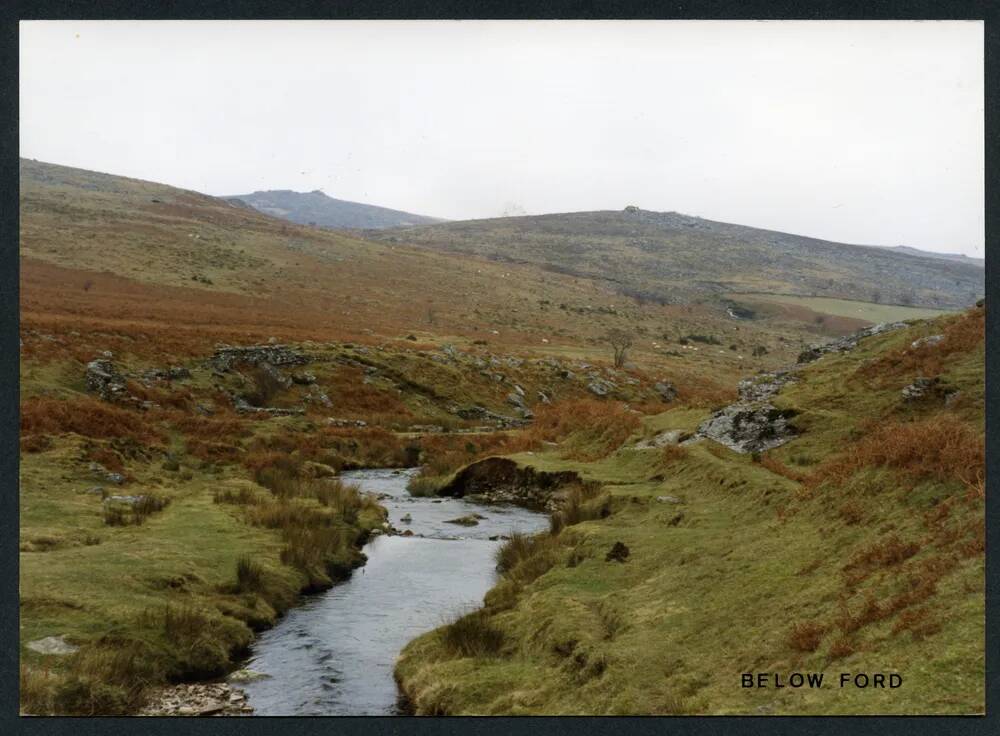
x=676, y=258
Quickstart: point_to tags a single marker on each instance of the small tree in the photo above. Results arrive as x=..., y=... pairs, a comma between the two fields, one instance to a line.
x=620, y=341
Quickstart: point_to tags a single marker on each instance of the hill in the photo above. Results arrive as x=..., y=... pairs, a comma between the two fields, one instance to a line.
x=317, y=209
x=675, y=258
x=106, y=254
x=675, y=567
x=957, y=257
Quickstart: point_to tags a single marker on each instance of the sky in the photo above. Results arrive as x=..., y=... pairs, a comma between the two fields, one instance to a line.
x=862, y=132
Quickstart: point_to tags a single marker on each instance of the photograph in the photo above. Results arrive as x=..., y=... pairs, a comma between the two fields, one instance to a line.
x=499, y=368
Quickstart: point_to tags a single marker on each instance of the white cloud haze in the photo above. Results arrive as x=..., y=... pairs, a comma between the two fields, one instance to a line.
x=862, y=132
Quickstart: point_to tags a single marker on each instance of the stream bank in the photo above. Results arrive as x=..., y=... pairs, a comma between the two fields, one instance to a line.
x=335, y=654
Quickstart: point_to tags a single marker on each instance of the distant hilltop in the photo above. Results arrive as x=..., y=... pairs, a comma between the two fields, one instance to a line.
x=960, y=257
x=317, y=209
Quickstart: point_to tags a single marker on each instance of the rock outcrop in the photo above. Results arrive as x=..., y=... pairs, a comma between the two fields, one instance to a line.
x=228, y=356
x=745, y=427
x=754, y=424
x=848, y=342
x=500, y=480
x=104, y=379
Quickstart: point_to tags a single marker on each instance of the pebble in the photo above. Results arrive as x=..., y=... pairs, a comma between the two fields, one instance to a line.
x=203, y=699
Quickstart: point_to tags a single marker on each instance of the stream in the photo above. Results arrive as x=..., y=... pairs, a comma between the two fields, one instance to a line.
x=334, y=654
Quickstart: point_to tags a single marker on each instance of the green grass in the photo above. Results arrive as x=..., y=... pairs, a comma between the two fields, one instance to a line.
x=868, y=311
x=102, y=586
x=716, y=586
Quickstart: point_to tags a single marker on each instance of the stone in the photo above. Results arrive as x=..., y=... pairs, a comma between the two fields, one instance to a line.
x=127, y=500
x=334, y=422
x=618, y=553
x=316, y=396
x=515, y=399
x=668, y=499
x=469, y=520
x=925, y=388
x=56, y=645
x=808, y=356
x=104, y=379
x=303, y=378
x=666, y=390
x=744, y=427
x=226, y=357
x=598, y=388
x=924, y=341
x=663, y=439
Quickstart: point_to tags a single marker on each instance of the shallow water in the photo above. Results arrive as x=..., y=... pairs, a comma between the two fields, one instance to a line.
x=335, y=654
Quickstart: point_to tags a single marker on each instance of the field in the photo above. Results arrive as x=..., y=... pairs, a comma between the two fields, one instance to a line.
x=869, y=312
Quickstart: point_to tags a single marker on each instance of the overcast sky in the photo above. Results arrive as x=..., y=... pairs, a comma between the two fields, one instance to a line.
x=862, y=132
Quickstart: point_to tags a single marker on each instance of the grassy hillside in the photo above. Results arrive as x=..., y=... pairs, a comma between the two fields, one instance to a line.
x=319, y=210
x=821, y=306
x=109, y=255
x=856, y=547
x=678, y=258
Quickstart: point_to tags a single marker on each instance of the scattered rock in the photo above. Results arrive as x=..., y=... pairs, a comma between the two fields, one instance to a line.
x=663, y=439
x=126, y=500
x=668, y=499
x=753, y=424
x=618, y=553
x=208, y=699
x=104, y=379
x=483, y=414
x=56, y=645
x=247, y=675
x=515, y=399
x=848, y=342
x=927, y=388
x=317, y=396
x=469, y=520
x=427, y=428
x=929, y=340
x=334, y=422
x=303, y=378
x=666, y=390
x=228, y=356
x=599, y=387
